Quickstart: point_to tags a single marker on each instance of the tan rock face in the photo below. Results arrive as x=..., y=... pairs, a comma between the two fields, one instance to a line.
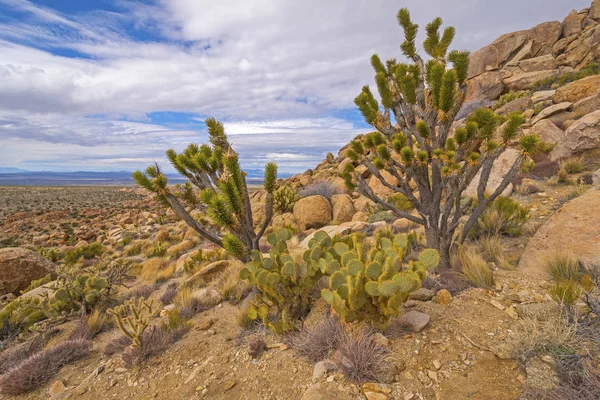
x=283, y=220
x=379, y=188
x=584, y=134
x=18, y=267
x=343, y=208
x=526, y=80
x=577, y=90
x=521, y=104
x=486, y=86
x=312, y=212
x=548, y=131
x=574, y=229
x=495, y=54
x=595, y=10
x=499, y=171
x=572, y=24
x=549, y=111
x=545, y=62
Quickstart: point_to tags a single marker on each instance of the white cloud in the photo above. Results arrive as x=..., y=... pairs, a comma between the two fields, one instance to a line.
x=274, y=70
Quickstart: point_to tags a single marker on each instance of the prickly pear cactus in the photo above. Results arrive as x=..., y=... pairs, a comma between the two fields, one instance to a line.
x=83, y=290
x=284, y=198
x=285, y=286
x=372, y=285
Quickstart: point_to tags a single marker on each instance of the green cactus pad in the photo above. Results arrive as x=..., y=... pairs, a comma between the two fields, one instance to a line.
x=327, y=295
x=244, y=273
x=388, y=288
x=374, y=269
x=430, y=258
x=341, y=248
x=252, y=313
x=273, y=278
x=336, y=280
x=354, y=267
x=372, y=289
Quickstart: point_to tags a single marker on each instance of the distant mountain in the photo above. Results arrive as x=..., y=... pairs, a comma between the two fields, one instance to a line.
x=18, y=177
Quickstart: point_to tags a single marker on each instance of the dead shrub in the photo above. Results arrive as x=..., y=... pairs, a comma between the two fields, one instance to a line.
x=42, y=366
x=317, y=341
x=360, y=358
x=14, y=355
x=154, y=341
x=256, y=347
x=474, y=269
x=169, y=294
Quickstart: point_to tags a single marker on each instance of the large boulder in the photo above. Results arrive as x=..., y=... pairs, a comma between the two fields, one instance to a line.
x=545, y=62
x=521, y=104
x=499, y=170
x=584, y=134
x=595, y=10
x=313, y=212
x=18, y=267
x=343, y=208
x=494, y=55
x=573, y=230
x=575, y=91
x=549, y=111
x=549, y=133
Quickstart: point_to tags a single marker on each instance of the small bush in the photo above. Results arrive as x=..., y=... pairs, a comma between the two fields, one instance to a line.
x=256, y=347
x=573, y=165
x=382, y=216
x=321, y=188
x=361, y=358
x=143, y=291
x=15, y=355
x=155, y=340
x=42, y=366
x=566, y=292
x=117, y=345
x=508, y=97
x=474, y=269
x=243, y=320
x=470, y=106
x=87, y=252
x=491, y=247
x=319, y=340
x=504, y=216
x=158, y=250
x=563, y=267
x=52, y=253
x=91, y=325
x=169, y=294
x=555, y=82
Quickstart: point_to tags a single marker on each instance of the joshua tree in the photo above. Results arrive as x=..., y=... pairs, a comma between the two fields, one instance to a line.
x=223, y=194
x=432, y=163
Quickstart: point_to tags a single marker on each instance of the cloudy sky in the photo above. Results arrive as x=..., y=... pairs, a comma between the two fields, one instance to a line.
x=110, y=84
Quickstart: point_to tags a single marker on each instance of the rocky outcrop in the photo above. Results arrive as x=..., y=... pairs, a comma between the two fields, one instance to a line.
x=312, y=212
x=575, y=91
x=18, y=267
x=583, y=134
x=574, y=229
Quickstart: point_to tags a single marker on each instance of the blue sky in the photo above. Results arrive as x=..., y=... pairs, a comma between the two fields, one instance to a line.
x=111, y=84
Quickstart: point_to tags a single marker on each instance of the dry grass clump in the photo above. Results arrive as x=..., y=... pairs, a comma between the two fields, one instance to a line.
x=317, y=341
x=566, y=292
x=491, y=247
x=230, y=286
x=542, y=333
x=169, y=293
x=474, y=268
x=573, y=165
x=360, y=358
x=256, y=347
x=243, y=320
x=179, y=249
x=117, y=344
x=14, y=355
x=143, y=291
x=153, y=267
x=563, y=267
x=155, y=340
x=42, y=366
x=91, y=325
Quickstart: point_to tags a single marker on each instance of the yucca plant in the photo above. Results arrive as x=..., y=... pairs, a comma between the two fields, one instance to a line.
x=414, y=141
x=213, y=170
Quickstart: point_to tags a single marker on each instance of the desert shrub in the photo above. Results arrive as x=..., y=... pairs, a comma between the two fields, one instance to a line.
x=136, y=247
x=400, y=201
x=133, y=318
x=175, y=322
x=243, y=320
x=143, y=291
x=154, y=341
x=117, y=345
x=87, y=252
x=256, y=347
x=504, y=216
x=382, y=216
x=508, y=97
x=361, y=358
x=527, y=189
x=37, y=283
x=544, y=333
x=284, y=198
x=14, y=355
x=158, y=250
x=169, y=293
x=319, y=340
x=42, y=366
x=573, y=165
x=491, y=247
x=555, y=82
x=201, y=258
x=474, y=268
x=51, y=253
x=563, y=267
x=320, y=188
x=565, y=292
x=91, y=325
